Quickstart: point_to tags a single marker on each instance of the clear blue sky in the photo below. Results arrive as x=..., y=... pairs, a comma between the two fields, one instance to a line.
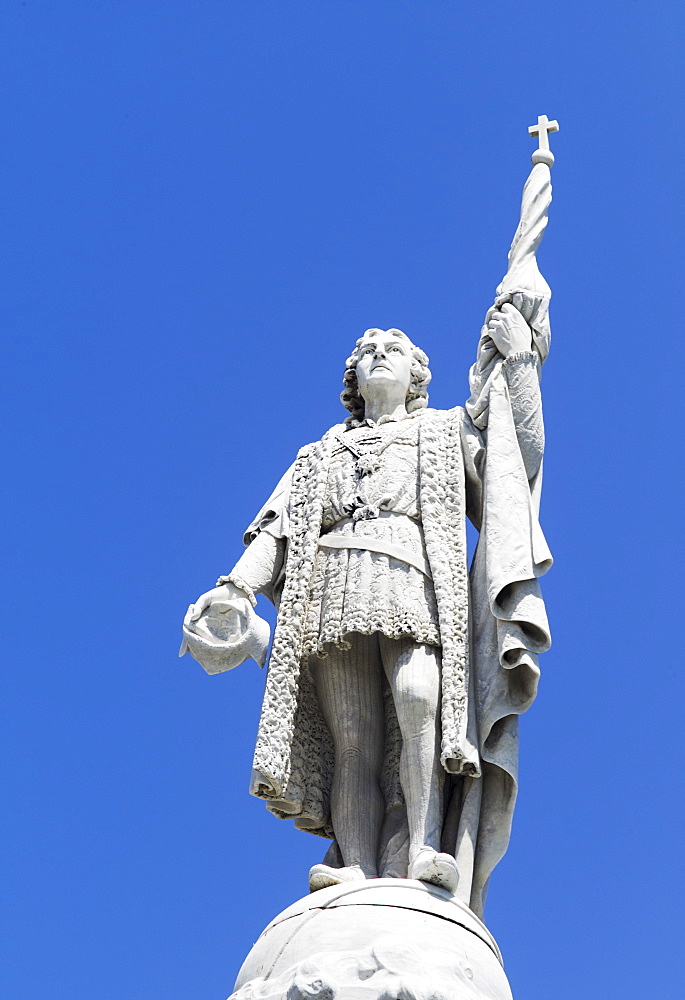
x=204, y=203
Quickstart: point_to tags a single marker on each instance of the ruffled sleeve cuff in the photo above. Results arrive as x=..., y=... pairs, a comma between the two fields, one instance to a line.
x=240, y=584
x=520, y=358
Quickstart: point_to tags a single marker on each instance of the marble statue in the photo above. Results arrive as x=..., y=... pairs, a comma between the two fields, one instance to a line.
x=397, y=674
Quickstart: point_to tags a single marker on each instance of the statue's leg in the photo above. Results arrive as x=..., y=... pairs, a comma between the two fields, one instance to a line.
x=348, y=685
x=413, y=672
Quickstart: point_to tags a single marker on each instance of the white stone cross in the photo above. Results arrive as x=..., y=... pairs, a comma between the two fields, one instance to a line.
x=543, y=153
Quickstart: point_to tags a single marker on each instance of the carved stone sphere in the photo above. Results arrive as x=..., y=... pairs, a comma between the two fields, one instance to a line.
x=385, y=939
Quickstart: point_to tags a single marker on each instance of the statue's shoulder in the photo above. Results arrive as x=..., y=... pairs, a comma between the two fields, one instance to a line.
x=431, y=415
x=308, y=449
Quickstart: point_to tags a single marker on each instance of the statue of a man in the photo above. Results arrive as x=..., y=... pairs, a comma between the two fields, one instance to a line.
x=389, y=722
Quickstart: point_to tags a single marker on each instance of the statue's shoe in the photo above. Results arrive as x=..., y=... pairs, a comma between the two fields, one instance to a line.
x=438, y=869
x=321, y=876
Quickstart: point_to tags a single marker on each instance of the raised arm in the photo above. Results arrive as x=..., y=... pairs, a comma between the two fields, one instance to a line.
x=515, y=337
x=521, y=368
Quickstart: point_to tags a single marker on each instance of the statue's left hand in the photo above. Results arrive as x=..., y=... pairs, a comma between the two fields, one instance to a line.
x=508, y=329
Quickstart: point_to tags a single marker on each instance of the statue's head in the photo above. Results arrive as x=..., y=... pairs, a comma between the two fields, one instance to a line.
x=385, y=358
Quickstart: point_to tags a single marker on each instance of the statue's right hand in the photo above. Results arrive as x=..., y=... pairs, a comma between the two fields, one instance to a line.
x=221, y=630
x=226, y=592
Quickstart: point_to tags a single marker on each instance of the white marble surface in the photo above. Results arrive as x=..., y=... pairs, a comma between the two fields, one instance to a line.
x=388, y=938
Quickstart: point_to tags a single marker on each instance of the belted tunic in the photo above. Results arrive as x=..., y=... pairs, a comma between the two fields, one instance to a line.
x=371, y=573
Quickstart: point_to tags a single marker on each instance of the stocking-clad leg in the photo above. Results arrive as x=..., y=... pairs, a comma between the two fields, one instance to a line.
x=413, y=672
x=348, y=684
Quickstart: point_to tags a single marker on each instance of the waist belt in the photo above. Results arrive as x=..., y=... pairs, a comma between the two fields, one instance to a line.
x=377, y=545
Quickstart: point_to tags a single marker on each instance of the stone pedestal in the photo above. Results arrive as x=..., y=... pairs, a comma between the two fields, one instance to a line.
x=385, y=939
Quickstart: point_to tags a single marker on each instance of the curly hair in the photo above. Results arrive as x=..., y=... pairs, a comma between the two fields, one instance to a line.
x=417, y=396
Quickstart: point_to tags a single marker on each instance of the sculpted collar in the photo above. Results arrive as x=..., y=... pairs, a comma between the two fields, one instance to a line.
x=385, y=419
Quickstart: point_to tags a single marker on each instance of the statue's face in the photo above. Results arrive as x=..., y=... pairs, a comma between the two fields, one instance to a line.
x=384, y=361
